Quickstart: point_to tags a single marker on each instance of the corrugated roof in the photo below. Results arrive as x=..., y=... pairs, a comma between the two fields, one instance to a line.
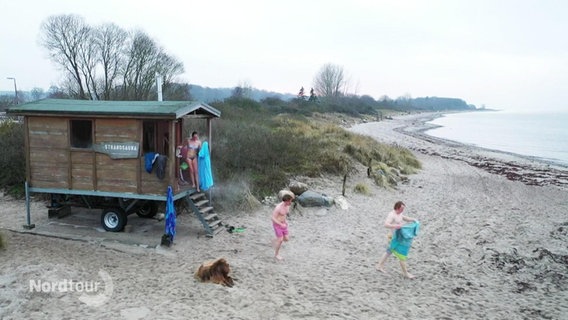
x=160, y=109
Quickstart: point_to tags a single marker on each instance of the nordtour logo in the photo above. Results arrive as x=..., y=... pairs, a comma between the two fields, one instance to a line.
x=93, y=293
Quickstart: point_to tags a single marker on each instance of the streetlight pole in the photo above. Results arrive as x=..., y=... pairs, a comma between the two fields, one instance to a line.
x=15, y=90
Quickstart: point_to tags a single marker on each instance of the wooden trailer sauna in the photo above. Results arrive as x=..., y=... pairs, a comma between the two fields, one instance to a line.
x=94, y=153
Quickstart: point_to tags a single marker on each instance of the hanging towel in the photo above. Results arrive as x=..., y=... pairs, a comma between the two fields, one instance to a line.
x=149, y=159
x=402, y=240
x=204, y=168
x=161, y=166
x=170, y=215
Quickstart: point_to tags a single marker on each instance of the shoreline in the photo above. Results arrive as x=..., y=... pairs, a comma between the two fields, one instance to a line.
x=529, y=170
x=536, y=159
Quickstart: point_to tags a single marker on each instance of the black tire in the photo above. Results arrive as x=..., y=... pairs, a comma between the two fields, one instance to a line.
x=148, y=209
x=113, y=219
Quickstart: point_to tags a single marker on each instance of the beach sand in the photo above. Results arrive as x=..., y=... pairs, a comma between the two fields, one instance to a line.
x=490, y=247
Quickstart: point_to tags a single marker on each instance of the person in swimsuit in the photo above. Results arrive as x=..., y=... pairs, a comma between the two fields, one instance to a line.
x=280, y=224
x=394, y=221
x=193, y=146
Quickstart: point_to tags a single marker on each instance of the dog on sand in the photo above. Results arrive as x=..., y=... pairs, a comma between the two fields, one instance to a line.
x=216, y=271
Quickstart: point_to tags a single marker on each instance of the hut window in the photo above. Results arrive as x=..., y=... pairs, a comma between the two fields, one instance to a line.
x=81, y=133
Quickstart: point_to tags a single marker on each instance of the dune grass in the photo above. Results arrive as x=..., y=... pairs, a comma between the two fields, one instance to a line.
x=267, y=149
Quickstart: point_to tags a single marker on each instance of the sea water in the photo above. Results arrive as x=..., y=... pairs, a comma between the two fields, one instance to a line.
x=543, y=136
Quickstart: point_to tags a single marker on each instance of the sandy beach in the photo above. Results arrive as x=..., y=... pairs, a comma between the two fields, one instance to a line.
x=492, y=245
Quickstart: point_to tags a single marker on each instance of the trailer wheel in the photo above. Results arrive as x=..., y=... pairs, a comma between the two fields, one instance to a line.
x=148, y=209
x=113, y=219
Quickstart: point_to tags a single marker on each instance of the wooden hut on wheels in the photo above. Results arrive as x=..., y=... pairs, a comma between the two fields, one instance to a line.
x=116, y=155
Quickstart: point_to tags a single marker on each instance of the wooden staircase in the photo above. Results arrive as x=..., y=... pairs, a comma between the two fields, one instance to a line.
x=200, y=205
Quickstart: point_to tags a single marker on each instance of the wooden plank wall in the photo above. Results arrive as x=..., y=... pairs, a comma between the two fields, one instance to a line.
x=117, y=175
x=54, y=164
x=49, y=152
x=150, y=182
x=82, y=170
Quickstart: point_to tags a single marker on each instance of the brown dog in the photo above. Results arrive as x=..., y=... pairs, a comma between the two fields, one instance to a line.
x=215, y=271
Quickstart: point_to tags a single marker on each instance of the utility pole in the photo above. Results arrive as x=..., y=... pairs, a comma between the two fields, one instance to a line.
x=15, y=90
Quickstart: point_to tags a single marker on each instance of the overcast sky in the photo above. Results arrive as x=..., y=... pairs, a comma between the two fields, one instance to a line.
x=506, y=54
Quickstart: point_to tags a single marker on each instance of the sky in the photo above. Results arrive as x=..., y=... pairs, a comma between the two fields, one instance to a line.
x=502, y=54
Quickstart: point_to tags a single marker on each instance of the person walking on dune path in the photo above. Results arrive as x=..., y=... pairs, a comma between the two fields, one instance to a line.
x=395, y=221
x=280, y=224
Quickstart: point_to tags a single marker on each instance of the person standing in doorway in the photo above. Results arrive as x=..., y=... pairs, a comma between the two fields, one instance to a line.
x=193, y=146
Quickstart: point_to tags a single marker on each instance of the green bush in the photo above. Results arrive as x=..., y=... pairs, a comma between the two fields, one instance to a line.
x=268, y=148
x=362, y=189
x=12, y=158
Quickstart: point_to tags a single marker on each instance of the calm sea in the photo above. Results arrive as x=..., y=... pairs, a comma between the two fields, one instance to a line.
x=540, y=135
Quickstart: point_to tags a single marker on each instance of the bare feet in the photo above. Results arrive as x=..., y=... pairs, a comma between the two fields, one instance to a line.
x=381, y=269
x=410, y=276
x=279, y=258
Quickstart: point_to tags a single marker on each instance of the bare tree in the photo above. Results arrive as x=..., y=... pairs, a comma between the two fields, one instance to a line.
x=313, y=97
x=177, y=91
x=56, y=93
x=37, y=93
x=301, y=95
x=168, y=67
x=64, y=37
x=405, y=100
x=145, y=60
x=99, y=60
x=111, y=43
x=6, y=101
x=89, y=58
x=330, y=81
x=242, y=90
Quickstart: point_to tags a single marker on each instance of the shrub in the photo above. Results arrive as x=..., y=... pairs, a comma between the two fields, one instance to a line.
x=362, y=189
x=12, y=158
x=268, y=148
x=235, y=195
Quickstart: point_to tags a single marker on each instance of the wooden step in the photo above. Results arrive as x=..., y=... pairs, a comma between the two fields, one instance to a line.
x=214, y=223
x=200, y=204
x=196, y=196
x=218, y=229
x=211, y=216
x=205, y=210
